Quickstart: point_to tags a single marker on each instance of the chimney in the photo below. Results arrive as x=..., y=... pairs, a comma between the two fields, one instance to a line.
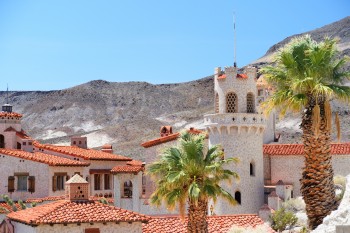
x=107, y=148
x=27, y=145
x=77, y=189
x=79, y=142
x=166, y=130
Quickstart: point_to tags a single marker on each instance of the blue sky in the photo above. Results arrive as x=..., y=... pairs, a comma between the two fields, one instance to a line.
x=50, y=45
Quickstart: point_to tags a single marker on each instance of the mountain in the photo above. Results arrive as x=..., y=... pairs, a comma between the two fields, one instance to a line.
x=127, y=114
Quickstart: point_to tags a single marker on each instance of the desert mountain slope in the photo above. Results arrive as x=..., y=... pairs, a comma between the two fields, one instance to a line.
x=127, y=114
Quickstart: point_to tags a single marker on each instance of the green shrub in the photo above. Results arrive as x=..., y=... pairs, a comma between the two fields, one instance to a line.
x=283, y=219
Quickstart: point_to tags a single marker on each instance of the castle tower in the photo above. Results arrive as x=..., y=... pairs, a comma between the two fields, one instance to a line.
x=238, y=127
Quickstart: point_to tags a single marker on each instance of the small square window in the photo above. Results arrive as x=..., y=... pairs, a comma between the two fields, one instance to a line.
x=22, y=183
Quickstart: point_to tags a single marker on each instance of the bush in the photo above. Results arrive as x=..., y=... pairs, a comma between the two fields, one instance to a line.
x=340, y=185
x=283, y=219
x=294, y=205
x=258, y=229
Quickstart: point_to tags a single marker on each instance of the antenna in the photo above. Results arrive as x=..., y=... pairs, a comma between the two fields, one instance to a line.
x=7, y=94
x=234, y=36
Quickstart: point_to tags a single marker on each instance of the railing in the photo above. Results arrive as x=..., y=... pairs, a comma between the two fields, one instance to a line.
x=235, y=118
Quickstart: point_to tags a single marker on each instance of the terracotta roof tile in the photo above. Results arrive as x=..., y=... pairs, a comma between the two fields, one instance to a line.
x=6, y=208
x=242, y=76
x=222, y=76
x=87, y=154
x=22, y=134
x=63, y=197
x=60, y=212
x=10, y=129
x=51, y=160
x=168, y=138
x=298, y=149
x=217, y=224
x=135, y=163
x=126, y=169
x=10, y=114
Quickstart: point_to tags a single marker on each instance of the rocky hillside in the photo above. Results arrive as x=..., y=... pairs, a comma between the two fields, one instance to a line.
x=127, y=114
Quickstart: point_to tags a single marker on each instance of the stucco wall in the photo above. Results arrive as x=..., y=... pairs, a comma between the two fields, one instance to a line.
x=10, y=165
x=135, y=227
x=289, y=169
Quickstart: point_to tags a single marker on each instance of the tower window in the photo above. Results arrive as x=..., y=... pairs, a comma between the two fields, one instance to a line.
x=238, y=197
x=127, y=189
x=2, y=141
x=216, y=103
x=252, y=169
x=231, y=103
x=250, y=103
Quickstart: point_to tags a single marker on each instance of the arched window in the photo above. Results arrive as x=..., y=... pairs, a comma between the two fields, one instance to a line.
x=2, y=141
x=231, y=103
x=127, y=189
x=252, y=169
x=238, y=197
x=250, y=103
x=216, y=103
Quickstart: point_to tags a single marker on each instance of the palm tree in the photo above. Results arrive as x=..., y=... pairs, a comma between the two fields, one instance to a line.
x=306, y=76
x=186, y=174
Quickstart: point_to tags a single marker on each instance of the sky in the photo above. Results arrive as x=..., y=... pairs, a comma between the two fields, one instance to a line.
x=57, y=44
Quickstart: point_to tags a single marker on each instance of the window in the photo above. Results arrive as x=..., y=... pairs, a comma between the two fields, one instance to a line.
x=238, y=197
x=58, y=181
x=127, y=189
x=250, y=103
x=11, y=184
x=22, y=183
x=74, y=142
x=252, y=169
x=24, y=143
x=107, y=181
x=19, y=145
x=2, y=141
x=77, y=173
x=216, y=103
x=143, y=184
x=231, y=103
x=97, y=181
x=92, y=230
x=31, y=184
x=260, y=92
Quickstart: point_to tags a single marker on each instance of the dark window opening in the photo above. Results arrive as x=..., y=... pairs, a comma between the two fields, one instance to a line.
x=2, y=141
x=252, y=169
x=238, y=197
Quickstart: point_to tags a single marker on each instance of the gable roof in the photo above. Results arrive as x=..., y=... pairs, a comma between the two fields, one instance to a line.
x=217, y=224
x=65, y=211
x=77, y=179
x=298, y=149
x=170, y=137
x=51, y=160
x=87, y=154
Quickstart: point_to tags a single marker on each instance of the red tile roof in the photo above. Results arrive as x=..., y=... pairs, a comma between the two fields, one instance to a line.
x=9, y=129
x=87, y=154
x=168, y=138
x=6, y=208
x=135, y=163
x=127, y=169
x=63, y=197
x=10, y=114
x=51, y=160
x=222, y=76
x=217, y=224
x=298, y=149
x=61, y=212
x=22, y=134
x=242, y=76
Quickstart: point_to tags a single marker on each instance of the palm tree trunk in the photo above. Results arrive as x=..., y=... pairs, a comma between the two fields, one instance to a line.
x=317, y=186
x=197, y=217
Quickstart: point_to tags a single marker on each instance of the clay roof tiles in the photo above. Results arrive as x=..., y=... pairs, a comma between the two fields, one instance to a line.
x=10, y=114
x=126, y=169
x=168, y=138
x=51, y=160
x=298, y=149
x=61, y=212
x=87, y=154
x=63, y=197
x=217, y=224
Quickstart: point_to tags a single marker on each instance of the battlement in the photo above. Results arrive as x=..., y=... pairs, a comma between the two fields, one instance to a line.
x=238, y=119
